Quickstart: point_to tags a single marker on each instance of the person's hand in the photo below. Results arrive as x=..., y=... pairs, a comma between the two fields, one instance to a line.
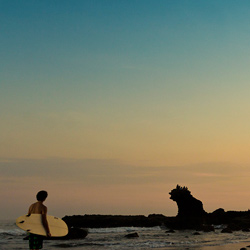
x=48, y=234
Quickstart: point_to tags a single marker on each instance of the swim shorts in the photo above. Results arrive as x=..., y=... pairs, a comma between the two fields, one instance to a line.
x=36, y=241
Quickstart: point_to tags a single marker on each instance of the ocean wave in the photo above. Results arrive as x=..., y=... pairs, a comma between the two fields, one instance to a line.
x=12, y=232
x=72, y=245
x=123, y=229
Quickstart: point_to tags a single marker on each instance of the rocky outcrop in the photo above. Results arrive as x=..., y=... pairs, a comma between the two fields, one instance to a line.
x=191, y=215
x=190, y=210
x=226, y=230
x=231, y=219
x=234, y=220
x=103, y=221
x=188, y=206
x=132, y=235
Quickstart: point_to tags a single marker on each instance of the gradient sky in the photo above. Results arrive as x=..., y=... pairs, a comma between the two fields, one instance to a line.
x=108, y=105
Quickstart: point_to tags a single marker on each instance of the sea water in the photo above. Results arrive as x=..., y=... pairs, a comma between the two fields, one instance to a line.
x=11, y=238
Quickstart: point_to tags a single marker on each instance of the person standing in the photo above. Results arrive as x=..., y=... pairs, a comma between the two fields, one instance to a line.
x=36, y=241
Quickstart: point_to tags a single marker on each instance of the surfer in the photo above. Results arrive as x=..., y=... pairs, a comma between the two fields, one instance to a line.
x=36, y=241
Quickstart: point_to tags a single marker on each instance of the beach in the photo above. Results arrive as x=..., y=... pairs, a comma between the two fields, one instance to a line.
x=114, y=238
x=234, y=246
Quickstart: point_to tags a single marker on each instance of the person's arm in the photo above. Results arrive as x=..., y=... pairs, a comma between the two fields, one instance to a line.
x=29, y=212
x=45, y=222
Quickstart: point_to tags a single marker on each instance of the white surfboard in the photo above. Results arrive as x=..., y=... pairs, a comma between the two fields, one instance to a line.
x=33, y=224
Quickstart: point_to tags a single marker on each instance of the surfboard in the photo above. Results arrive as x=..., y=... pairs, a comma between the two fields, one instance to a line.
x=33, y=224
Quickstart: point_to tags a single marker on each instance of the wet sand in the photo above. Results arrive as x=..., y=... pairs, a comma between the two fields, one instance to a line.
x=234, y=246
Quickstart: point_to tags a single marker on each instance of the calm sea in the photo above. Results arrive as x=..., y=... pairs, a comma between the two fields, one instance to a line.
x=11, y=237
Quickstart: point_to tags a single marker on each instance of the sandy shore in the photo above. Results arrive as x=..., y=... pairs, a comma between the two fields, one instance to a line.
x=235, y=246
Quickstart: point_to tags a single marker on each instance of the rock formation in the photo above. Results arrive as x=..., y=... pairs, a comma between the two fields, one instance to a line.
x=188, y=206
x=190, y=210
x=132, y=235
x=103, y=221
x=191, y=215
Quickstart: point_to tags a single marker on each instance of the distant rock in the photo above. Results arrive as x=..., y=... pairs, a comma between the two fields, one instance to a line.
x=227, y=230
x=170, y=231
x=196, y=233
x=190, y=210
x=105, y=221
x=191, y=215
x=188, y=206
x=237, y=220
x=219, y=212
x=132, y=235
x=207, y=228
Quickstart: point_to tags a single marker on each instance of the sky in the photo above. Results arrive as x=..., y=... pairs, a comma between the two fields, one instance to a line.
x=108, y=105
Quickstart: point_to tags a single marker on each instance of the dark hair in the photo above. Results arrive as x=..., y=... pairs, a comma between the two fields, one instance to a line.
x=41, y=195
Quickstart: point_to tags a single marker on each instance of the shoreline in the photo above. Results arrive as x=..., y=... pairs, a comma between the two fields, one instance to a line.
x=231, y=246
x=156, y=239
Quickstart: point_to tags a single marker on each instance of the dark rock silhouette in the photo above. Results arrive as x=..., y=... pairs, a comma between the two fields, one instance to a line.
x=191, y=214
x=170, y=231
x=235, y=220
x=188, y=206
x=207, y=228
x=103, y=221
x=226, y=230
x=232, y=219
x=132, y=235
x=196, y=233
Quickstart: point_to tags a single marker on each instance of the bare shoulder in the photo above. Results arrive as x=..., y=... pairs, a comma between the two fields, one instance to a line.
x=31, y=208
x=33, y=204
x=44, y=209
x=37, y=208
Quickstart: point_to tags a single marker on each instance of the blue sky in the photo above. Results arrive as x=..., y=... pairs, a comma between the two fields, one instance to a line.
x=146, y=84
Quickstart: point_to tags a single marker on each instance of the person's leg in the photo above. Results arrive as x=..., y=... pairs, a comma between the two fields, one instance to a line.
x=35, y=242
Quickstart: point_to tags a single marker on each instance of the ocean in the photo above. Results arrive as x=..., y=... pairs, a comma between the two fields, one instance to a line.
x=11, y=238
